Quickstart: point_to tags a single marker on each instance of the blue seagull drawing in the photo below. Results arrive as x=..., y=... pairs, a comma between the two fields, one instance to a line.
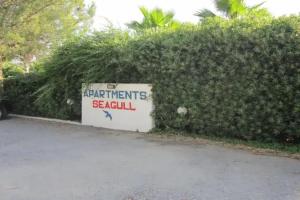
x=108, y=115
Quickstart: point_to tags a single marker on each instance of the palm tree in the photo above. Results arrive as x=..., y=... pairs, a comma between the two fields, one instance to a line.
x=231, y=9
x=153, y=19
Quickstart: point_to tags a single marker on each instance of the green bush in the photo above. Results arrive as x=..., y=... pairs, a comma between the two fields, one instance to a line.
x=237, y=78
x=12, y=70
x=20, y=92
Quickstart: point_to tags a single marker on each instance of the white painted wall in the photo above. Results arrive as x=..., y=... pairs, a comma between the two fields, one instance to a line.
x=133, y=120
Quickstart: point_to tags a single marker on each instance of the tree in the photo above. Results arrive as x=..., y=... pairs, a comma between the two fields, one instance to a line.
x=28, y=28
x=154, y=19
x=232, y=9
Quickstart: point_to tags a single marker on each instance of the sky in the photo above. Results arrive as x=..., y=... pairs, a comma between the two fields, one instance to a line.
x=120, y=12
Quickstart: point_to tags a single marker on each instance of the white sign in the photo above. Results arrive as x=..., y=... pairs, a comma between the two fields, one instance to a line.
x=118, y=106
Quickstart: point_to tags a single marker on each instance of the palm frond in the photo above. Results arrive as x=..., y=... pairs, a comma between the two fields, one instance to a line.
x=236, y=8
x=223, y=5
x=257, y=6
x=135, y=25
x=205, y=13
x=153, y=19
x=144, y=11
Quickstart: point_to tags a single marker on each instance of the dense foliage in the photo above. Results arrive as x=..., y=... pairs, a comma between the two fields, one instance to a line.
x=20, y=91
x=12, y=70
x=237, y=78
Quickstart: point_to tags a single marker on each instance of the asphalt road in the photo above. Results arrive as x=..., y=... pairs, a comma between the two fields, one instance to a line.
x=51, y=161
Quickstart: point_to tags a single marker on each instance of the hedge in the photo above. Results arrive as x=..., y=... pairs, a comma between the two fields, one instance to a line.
x=20, y=93
x=237, y=78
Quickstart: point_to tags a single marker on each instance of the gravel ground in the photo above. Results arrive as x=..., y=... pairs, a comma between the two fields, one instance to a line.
x=52, y=161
